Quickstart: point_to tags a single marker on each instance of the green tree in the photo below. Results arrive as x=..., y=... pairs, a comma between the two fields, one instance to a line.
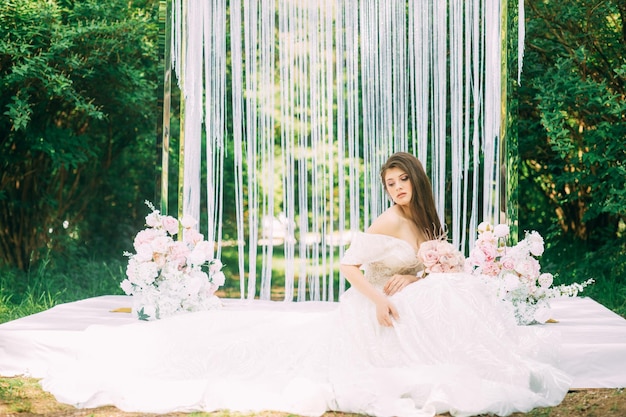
x=77, y=122
x=573, y=119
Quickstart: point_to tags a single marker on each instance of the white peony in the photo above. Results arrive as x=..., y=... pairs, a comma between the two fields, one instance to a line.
x=501, y=230
x=484, y=227
x=545, y=280
x=218, y=278
x=188, y=221
x=535, y=242
x=215, y=266
x=153, y=219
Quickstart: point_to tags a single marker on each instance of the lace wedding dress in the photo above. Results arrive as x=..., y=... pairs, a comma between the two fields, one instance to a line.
x=454, y=349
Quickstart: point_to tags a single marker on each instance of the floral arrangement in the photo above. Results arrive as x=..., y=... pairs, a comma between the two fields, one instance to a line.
x=517, y=268
x=439, y=255
x=168, y=276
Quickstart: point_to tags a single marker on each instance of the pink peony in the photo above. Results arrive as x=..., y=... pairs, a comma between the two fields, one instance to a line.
x=178, y=253
x=491, y=269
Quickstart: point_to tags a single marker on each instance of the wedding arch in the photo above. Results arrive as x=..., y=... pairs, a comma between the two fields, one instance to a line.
x=300, y=102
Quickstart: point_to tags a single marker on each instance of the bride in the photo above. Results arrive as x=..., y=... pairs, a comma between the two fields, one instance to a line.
x=395, y=345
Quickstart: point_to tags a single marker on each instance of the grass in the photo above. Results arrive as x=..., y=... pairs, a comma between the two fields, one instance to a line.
x=50, y=283
x=12, y=392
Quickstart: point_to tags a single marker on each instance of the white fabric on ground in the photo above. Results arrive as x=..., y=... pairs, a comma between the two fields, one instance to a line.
x=449, y=351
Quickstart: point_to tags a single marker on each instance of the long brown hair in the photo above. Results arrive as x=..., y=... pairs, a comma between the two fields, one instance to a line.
x=422, y=206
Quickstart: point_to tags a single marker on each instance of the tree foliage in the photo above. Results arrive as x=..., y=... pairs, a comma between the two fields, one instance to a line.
x=573, y=120
x=78, y=119
x=77, y=108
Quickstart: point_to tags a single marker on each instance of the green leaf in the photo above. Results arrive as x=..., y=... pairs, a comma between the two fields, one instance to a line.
x=141, y=315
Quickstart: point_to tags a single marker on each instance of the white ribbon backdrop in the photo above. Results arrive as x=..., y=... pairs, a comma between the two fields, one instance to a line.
x=319, y=93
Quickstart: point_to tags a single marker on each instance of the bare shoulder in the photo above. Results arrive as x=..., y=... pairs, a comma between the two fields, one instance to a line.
x=390, y=222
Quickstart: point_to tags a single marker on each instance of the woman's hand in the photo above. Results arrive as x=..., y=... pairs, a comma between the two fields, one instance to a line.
x=397, y=283
x=385, y=312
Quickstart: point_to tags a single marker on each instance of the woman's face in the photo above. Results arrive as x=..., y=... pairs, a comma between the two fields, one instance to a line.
x=398, y=186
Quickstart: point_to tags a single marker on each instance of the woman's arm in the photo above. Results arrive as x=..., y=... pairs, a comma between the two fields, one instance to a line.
x=385, y=310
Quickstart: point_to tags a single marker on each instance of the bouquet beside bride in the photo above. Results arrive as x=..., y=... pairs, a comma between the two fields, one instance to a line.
x=514, y=271
x=173, y=270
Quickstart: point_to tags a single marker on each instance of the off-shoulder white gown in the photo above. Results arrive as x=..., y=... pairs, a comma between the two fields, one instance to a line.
x=454, y=349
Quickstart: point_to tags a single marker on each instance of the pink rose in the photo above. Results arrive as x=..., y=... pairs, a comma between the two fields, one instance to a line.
x=459, y=264
x=477, y=257
x=192, y=236
x=528, y=268
x=440, y=256
x=508, y=264
x=428, y=253
x=490, y=269
x=178, y=253
x=489, y=251
x=146, y=236
x=445, y=248
x=170, y=224
x=161, y=244
x=536, y=248
x=144, y=252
